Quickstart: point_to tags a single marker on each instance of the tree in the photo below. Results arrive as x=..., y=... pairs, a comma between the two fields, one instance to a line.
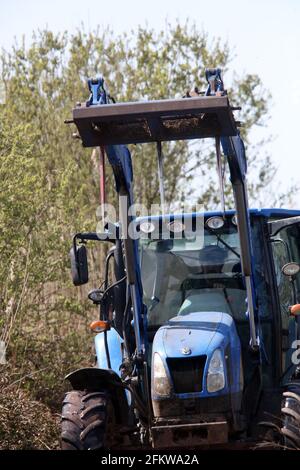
x=51, y=74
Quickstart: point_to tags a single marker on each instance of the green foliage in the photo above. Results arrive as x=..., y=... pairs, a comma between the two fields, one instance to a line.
x=51, y=75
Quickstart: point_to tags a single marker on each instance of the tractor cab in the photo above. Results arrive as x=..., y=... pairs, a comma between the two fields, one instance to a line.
x=197, y=270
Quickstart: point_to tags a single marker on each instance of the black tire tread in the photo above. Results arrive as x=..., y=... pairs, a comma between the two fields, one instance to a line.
x=83, y=420
x=92, y=409
x=292, y=395
x=87, y=396
x=90, y=427
x=289, y=411
x=291, y=418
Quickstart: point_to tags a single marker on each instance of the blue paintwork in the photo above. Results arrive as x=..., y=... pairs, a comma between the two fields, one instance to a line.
x=114, y=341
x=98, y=92
x=215, y=82
x=203, y=333
x=267, y=213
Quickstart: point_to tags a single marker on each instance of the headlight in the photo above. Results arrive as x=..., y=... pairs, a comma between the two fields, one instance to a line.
x=216, y=376
x=161, y=384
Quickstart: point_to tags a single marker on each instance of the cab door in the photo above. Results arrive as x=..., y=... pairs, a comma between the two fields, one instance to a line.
x=285, y=248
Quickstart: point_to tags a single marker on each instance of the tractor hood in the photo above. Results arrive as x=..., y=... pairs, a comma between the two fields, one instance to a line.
x=196, y=334
x=180, y=344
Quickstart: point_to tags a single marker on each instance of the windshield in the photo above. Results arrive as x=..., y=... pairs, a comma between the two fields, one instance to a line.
x=193, y=274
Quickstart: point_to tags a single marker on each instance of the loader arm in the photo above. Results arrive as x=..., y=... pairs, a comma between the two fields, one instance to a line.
x=233, y=148
x=101, y=123
x=120, y=160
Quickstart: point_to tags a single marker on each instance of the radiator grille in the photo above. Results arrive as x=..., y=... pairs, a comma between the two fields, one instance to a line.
x=187, y=373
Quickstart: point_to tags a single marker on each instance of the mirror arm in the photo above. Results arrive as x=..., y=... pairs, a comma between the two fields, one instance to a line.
x=96, y=236
x=110, y=255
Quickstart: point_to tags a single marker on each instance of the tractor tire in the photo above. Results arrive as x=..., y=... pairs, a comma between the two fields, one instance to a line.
x=85, y=420
x=291, y=416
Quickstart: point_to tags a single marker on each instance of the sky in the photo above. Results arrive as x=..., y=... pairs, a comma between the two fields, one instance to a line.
x=264, y=34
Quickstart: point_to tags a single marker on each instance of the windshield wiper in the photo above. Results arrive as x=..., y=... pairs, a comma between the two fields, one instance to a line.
x=213, y=233
x=223, y=242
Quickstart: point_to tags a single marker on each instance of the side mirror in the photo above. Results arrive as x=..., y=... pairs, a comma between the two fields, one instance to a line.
x=79, y=265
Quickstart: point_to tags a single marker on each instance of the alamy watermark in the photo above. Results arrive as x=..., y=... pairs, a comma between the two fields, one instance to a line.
x=138, y=221
x=296, y=354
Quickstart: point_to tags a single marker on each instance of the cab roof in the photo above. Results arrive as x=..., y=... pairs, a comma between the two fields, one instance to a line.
x=265, y=212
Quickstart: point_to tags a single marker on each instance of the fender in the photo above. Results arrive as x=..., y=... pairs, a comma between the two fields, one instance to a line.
x=92, y=378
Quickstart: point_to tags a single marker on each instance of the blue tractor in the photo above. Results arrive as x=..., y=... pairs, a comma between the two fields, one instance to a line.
x=196, y=344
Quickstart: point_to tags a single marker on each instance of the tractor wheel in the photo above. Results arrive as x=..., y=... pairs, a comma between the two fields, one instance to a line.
x=291, y=416
x=87, y=420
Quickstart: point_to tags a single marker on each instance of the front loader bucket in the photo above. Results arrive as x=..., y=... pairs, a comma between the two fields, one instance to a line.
x=153, y=121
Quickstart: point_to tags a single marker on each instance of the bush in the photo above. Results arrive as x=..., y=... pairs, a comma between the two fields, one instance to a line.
x=26, y=423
